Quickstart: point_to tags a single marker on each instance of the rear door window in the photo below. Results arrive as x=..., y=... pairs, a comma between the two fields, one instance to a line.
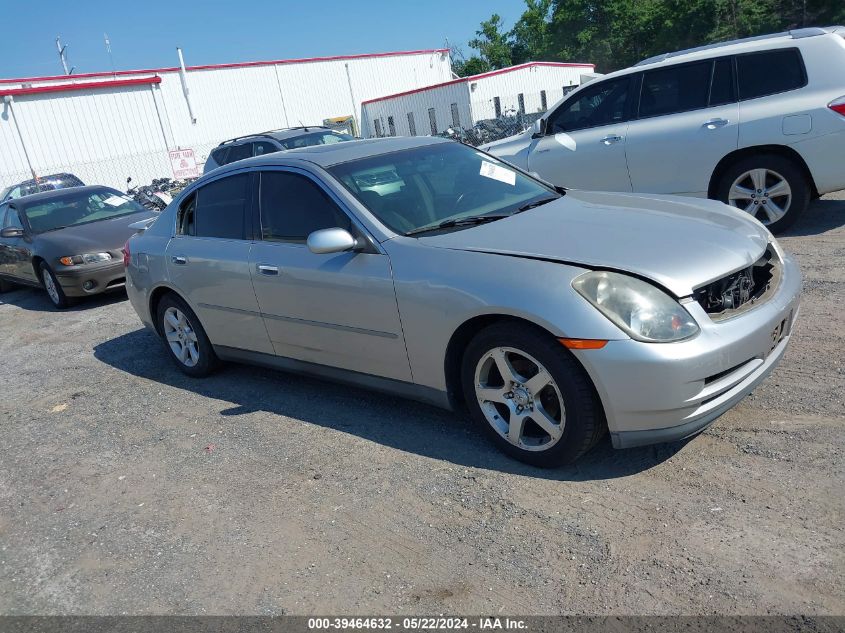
x=675, y=89
x=217, y=210
x=769, y=72
x=264, y=147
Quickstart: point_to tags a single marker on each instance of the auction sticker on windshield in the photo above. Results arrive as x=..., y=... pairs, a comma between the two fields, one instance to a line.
x=491, y=170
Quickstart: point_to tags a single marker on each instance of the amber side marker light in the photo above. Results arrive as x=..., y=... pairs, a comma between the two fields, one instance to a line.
x=583, y=343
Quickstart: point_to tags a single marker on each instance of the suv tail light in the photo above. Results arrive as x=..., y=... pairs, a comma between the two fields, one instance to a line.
x=126, y=254
x=838, y=105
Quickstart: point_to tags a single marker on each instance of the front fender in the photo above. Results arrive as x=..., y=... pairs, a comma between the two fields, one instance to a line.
x=438, y=290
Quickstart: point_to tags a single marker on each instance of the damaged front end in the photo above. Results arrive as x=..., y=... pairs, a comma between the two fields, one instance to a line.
x=742, y=290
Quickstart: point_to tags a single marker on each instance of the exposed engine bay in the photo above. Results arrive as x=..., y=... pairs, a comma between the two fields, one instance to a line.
x=742, y=289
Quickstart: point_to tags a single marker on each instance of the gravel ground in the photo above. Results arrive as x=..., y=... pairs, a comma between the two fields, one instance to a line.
x=127, y=488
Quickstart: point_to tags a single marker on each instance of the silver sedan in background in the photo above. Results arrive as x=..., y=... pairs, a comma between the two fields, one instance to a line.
x=429, y=269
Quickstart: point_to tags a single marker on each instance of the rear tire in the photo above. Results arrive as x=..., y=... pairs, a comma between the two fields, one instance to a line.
x=545, y=420
x=54, y=289
x=764, y=186
x=184, y=337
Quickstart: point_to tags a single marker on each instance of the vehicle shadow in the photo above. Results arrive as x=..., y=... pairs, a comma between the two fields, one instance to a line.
x=391, y=421
x=36, y=300
x=821, y=216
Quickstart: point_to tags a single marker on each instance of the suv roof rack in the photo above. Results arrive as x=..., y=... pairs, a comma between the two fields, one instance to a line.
x=794, y=34
x=269, y=133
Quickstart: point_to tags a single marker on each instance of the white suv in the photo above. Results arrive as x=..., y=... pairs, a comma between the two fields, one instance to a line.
x=758, y=123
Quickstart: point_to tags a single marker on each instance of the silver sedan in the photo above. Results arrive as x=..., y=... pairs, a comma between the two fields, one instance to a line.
x=429, y=269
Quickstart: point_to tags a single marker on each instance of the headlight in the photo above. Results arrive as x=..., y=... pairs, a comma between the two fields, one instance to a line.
x=86, y=258
x=640, y=309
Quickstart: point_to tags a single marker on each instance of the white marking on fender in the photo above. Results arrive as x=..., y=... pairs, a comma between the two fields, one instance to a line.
x=567, y=141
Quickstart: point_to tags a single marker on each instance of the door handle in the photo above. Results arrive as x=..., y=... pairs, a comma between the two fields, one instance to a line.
x=712, y=124
x=268, y=270
x=610, y=139
x=179, y=259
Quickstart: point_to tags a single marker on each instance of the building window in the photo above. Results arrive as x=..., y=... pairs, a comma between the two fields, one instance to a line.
x=497, y=106
x=379, y=131
x=456, y=117
x=412, y=126
x=543, y=104
x=521, y=98
x=432, y=119
x=391, y=126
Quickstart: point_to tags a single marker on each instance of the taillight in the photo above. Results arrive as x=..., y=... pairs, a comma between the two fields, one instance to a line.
x=126, y=254
x=838, y=105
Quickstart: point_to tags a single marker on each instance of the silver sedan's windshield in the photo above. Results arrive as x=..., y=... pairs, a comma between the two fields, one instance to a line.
x=439, y=187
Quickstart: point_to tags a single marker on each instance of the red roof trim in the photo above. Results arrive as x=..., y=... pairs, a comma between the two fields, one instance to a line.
x=479, y=76
x=87, y=85
x=173, y=69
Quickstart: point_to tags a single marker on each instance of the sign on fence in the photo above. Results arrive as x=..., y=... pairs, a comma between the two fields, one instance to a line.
x=184, y=164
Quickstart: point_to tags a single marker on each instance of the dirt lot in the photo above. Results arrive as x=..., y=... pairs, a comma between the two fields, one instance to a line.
x=126, y=487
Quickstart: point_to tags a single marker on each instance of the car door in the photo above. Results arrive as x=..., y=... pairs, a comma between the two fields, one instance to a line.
x=335, y=309
x=584, y=142
x=687, y=121
x=15, y=252
x=208, y=262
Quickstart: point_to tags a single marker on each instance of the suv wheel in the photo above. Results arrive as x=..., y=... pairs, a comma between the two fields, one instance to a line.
x=185, y=338
x=770, y=187
x=530, y=395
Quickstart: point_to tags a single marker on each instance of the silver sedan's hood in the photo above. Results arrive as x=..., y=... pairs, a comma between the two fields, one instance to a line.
x=680, y=243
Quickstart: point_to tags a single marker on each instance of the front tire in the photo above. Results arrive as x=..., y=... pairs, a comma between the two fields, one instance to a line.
x=184, y=337
x=769, y=187
x=530, y=395
x=54, y=289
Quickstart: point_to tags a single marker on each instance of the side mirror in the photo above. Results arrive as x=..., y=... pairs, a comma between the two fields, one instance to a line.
x=11, y=231
x=538, y=128
x=334, y=240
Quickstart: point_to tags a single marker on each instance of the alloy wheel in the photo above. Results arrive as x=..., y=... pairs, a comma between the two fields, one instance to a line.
x=763, y=193
x=519, y=399
x=181, y=337
x=50, y=287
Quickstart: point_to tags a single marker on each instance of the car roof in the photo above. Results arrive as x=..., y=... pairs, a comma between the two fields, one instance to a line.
x=336, y=153
x=61, y=176
x=744, y=45
x=46, y=196
x=281, y=134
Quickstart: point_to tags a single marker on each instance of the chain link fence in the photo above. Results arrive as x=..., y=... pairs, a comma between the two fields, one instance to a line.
x=474, y=122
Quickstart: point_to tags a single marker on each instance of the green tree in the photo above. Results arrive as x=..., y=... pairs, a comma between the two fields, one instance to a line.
x=492, y=44
x=529, y=37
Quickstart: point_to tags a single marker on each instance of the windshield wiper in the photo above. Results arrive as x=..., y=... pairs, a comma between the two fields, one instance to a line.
x=535, y=203
x=467, y=221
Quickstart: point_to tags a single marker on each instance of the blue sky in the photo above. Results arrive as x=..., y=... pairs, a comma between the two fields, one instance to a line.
x=146, y=34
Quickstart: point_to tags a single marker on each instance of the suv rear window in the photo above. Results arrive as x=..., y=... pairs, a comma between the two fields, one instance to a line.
x=770, y=72
x=219, y=155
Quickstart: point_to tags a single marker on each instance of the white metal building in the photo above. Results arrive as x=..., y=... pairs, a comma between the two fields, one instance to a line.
x=104, y=127
x=526, y=88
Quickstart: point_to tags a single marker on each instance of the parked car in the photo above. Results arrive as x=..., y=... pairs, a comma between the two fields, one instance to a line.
x=67, y=241
x=425, y=268
x=758, y=123
x=274, y=141
x=45, y=183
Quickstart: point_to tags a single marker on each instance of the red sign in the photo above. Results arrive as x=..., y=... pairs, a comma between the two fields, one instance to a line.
x=184, y=164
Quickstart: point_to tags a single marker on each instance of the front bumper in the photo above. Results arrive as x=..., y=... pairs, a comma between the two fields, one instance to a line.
x=655, y=393
x=85, y=280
